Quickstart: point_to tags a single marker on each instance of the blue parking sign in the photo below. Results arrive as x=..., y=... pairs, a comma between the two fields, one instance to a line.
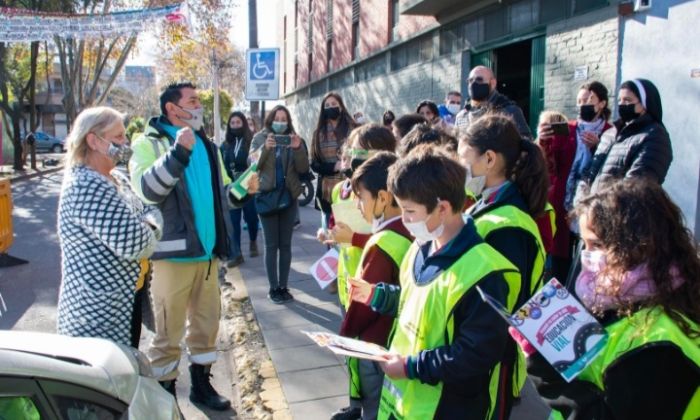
x=262, y=66
x=262, y=74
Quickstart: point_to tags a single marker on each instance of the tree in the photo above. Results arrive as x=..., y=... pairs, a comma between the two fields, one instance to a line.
x=19, y=69
x=144, y=104
x=136, y=126
x=207, y=99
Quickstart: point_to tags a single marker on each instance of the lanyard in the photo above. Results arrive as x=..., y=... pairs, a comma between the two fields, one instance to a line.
x=237, y=147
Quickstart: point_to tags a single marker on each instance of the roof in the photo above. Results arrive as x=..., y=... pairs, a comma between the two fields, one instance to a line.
x=92, y=362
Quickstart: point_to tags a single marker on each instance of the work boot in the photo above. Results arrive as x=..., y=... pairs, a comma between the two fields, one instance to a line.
x=254, y=249
x=235, y=262
x=202, y=392
x=169, y=386
x=347, y=413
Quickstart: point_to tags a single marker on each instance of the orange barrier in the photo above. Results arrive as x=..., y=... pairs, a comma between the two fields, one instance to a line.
x=5, y=216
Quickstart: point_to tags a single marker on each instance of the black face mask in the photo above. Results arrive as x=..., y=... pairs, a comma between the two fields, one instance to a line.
x=627, y=112
x=347, y=172
x=479, y=91
x=237, y=132
x=587, y=113
x=331, y=113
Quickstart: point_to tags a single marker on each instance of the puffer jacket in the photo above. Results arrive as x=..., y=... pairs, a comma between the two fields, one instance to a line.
x=640, y=148
x=295, y=163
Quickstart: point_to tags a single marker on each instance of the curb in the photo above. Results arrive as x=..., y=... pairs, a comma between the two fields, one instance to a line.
x=271, y=395
x=36, y=174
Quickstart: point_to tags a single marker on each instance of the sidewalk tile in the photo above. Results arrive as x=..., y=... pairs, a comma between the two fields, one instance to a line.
x=307, y=385
x=285, y=338
x=317, y=409
x=302, y=358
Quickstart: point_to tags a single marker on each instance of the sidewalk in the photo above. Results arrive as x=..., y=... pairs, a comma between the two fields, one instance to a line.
x=6, y=171
x=314, y=381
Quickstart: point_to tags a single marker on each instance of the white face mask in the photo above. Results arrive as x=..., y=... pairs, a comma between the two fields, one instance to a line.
x=593, y=261
x=197, y=117
x=475, y=184
x=420, y=231
x=453, y=108
x=376, y=221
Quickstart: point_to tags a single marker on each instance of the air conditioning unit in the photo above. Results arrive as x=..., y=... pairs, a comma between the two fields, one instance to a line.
x=640, y=5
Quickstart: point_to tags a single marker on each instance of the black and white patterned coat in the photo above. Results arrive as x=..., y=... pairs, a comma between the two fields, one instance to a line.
x=104, y=231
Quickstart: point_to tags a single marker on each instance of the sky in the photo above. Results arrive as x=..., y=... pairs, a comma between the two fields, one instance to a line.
x=147, y=42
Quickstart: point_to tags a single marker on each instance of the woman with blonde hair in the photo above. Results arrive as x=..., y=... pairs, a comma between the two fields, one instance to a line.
x=103, y=228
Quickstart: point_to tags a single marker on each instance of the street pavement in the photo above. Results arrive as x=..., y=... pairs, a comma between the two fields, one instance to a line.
x=314, y=380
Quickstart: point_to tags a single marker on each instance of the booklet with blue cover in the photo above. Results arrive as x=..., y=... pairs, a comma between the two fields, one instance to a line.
x=558, y=326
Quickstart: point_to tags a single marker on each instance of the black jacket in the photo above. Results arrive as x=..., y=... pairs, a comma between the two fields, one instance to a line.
x=235, y=163
x=497, y=102
x=480, y=334
x=517, y=245
x=640, y=148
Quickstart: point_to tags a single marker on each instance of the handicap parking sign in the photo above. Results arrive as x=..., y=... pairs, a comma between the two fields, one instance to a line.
x=262, y=74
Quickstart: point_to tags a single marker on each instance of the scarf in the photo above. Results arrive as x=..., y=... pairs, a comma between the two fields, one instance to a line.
x=637, y=285
x=582, y=159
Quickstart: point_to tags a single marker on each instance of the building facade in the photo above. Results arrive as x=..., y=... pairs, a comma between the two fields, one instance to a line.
x=392, y=54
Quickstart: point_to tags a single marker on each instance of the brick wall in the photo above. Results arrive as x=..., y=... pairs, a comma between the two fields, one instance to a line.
x=400, y=91
x=374, y=34
x=588, y=40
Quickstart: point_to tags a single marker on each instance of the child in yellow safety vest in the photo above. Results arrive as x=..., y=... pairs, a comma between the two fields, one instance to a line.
x=447, y=345
x=363, y=143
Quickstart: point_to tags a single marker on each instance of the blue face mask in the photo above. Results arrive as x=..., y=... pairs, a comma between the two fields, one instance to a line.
x=279, y=127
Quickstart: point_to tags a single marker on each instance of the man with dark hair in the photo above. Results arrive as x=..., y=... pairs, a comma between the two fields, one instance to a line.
x=176, y=167
x=451, y=107
x=483, y=97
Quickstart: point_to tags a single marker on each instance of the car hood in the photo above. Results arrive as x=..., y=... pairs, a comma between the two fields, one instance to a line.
x=93, y=362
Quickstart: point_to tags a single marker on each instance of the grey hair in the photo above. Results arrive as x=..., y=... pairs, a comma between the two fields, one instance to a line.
x=91, y=120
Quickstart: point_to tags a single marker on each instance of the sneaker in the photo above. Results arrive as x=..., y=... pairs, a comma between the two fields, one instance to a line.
x=285, y=295
x=347, y=413
x=235, y=262
x=275, y=296
x=254, y=249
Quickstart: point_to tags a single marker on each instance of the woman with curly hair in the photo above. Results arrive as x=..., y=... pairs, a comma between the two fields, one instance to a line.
x=640, y=278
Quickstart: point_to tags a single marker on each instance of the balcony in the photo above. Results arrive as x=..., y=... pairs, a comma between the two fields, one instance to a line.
x=443, y=9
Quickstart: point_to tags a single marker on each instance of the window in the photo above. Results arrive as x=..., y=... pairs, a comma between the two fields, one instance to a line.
x=523, y=14
x=19, y=408
x=329, y=55
x=553, y=10
x=75, y=409
x=413, y=52
x=355, y=29
x=394, y=14
x=474, y=32
x=318, y=89
x=494, y=24
x=309, y=65
x=581, y=6
x=341, y=80
x=371, y=68
x=451, y=39
x=355, y=40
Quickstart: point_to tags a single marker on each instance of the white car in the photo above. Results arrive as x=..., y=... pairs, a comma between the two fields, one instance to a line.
x=50, y=376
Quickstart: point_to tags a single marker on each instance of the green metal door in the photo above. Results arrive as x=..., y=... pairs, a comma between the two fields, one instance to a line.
x=537, y=81
x=484, y=58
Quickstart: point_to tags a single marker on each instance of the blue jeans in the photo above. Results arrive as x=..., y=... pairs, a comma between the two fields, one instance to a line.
x=250, y=215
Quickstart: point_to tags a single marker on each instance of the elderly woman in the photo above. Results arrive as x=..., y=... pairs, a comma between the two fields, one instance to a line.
x=104, y=231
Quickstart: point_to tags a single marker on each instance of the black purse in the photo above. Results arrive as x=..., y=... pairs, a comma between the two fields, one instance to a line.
x=271, y=202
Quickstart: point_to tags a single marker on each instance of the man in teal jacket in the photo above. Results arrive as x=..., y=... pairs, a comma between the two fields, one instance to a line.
x=176, y=167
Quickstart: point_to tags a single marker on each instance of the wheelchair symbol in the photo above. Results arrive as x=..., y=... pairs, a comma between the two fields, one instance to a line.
x=261, y=70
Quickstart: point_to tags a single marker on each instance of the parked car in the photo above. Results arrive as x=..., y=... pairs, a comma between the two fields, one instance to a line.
x=48, y=143
x=50, y=376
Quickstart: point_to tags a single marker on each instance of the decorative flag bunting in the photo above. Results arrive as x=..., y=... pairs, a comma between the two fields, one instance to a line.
x=17, y=25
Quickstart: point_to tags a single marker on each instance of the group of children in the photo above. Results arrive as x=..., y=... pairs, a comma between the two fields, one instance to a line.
x=444, y=218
